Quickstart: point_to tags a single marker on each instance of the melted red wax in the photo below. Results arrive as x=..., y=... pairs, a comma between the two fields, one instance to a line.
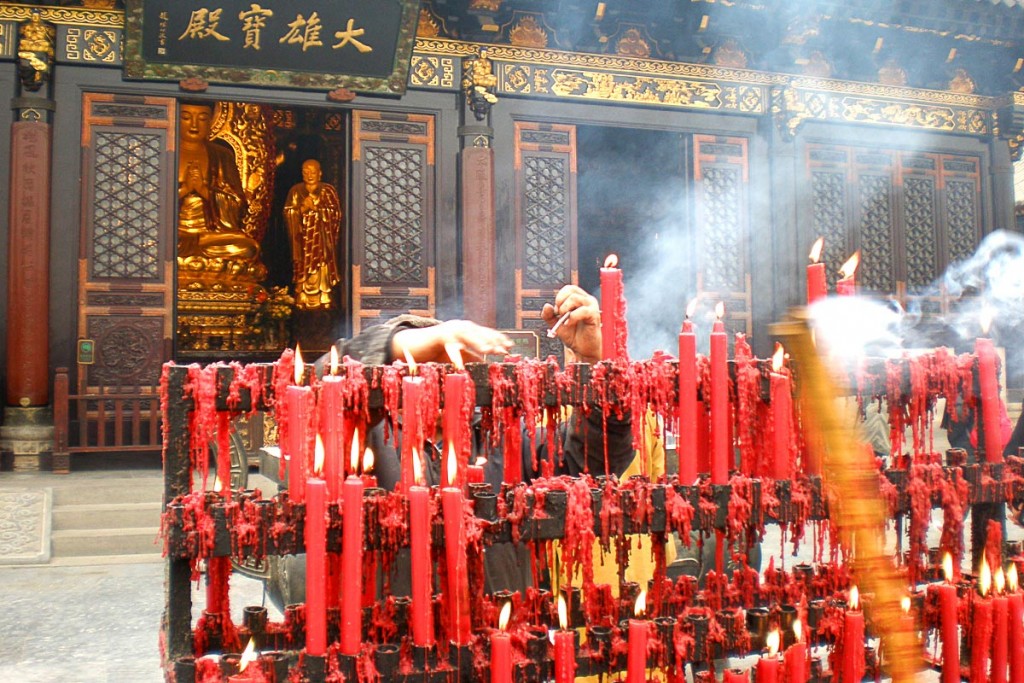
x=753, y=429
x=994, y=543
x=954, y=498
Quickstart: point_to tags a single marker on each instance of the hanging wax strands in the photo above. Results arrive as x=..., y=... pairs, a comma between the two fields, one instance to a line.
x=988, y=383
x=614, y=334
x=218, y=569
x=817, y=288
x=847, y=284
x=316, y=554
x=459, y=395
x=687, y=432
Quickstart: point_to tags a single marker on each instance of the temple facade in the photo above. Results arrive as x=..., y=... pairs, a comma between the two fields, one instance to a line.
x=166, y=212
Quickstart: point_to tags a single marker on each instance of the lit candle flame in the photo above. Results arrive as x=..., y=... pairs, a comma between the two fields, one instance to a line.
x=367, y=460
x=217, y=485
x=611, y=261
x=334, y=360
x=248, y=655
x=720, y=310
x=318, y=456
x=691, y=308
x=417, y=468
x=1011, y=577
x=772, y=641
x=798, y=630
x=453, y=465
x=905, y=604
x=1000, y=581
x=353, y=458
x=506, y=614
x=641, y=604
x=300, y=367
x=854, y=598
x=816, y=250
x=984, y=578
x=985, y=319
x=850, y=267
x=563, y=613
x=454, y=351
x=778, y=357
x=410, y=361
x=947, y=567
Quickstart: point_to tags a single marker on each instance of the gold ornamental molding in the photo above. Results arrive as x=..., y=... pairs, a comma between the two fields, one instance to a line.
x=64, y=15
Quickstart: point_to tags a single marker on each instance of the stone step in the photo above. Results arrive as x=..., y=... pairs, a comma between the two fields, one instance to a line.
x=92, y=542
x=106, y=516
x=92, y=560
x=108, y=491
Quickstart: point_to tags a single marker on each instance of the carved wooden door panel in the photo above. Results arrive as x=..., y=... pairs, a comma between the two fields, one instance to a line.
x=545, y=220
x=128, y=233
x=392, y=216
x=721, y=178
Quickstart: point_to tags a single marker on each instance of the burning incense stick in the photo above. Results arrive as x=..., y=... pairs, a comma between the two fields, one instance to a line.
x=553, y=330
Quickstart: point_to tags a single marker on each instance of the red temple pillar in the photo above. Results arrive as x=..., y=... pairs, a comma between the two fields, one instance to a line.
x=27, y=429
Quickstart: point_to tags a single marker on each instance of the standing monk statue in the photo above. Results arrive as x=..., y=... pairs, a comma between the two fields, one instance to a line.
x=313, y=213
x=211, y=200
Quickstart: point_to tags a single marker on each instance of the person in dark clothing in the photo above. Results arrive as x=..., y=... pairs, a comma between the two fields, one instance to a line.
x=582, y=438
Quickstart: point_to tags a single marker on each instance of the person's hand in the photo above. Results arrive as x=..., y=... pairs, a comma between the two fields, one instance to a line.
x=581, y=330
x=427, y=344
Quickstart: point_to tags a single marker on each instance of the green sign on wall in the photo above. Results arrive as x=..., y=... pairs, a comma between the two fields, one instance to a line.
x=362, y=45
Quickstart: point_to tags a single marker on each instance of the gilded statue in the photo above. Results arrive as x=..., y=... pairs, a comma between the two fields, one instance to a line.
x=211, y=200
x=478, y=83
x=313, y=213
x=35, y=52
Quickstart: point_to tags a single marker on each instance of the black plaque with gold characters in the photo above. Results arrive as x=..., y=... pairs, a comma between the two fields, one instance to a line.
x=361, y=45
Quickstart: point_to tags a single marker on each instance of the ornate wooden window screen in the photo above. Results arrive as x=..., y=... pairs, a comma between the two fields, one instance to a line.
x=392, y=216
x=545, y=219
x=721, y=178
x=910, y=213
x=126, y=269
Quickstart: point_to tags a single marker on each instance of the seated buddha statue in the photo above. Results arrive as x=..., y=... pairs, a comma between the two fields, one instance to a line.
x=211, y=200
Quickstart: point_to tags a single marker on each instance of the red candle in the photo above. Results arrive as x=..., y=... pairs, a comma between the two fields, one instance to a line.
x=1000, y=629
x=720, y=446
x=456, y=424
x=297, y=401
x=853, y=640
x=948, y=605
x=249, y=670
x=795, y=660
x=412, y=433
x=847, y=284
x=367, y=475
x=475, y=473
x=460, y=626
x=981, y=626
x=989, y=385
x=352, y=566
x=316, y=556
x=332, y=427
x=636, y=661
x=686, y=447
x=613, y=312
x=782, y=411
x=501, y=648
x=419, y=550
x=1015, y=627
x=816, y=286
x=735, y=676
x=768, y=664
x=565, y=647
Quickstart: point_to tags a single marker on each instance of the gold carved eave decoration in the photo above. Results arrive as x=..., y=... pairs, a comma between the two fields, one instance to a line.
x=64, y=15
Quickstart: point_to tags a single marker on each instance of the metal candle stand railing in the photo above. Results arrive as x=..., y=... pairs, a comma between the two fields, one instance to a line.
x=283, y=642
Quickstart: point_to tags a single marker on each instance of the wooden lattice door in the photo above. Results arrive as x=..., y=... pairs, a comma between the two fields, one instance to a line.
x=128, y=232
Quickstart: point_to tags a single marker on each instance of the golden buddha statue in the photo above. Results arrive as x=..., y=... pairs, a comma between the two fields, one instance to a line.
x=313, y=214
x=211, y=203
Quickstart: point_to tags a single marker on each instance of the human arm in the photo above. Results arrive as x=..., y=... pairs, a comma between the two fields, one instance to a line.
x=581, y=330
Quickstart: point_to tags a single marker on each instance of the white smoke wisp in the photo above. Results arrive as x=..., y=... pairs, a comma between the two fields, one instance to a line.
x=991, y=282
x=854, y=327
